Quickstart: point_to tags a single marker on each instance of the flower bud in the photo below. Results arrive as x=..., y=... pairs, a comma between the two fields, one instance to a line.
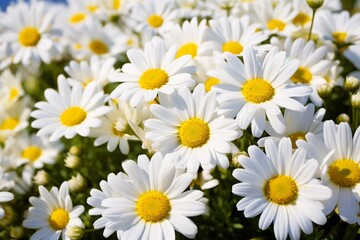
x=352, y=84
x=75, y=232
x=17, y=232
x=324, y=90
x=235, y=158
x=342, y=118
x=75, y=150
x=77, y=183
x=315, y=4
x=41, y=178
x=355, y=100
x=72, y=161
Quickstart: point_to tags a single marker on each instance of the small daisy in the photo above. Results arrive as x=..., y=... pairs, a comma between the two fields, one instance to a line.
x=154, y=202
x=10, y=88
x=257, y=88
x=234, y=34
x=29, y=28
x=281, y=186
x=204, y=65
x=297, y=125
x=97, y=70
x=72, y=110
x=339, y=156
x=152, y=71
x=188, y=127
x=5, y=197
x=53, y=213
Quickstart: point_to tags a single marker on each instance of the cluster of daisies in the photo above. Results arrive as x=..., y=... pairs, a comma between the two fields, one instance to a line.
x=139, y=112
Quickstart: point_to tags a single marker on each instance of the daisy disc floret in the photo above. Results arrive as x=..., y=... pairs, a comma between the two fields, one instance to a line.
x=256, y=89
x=281, y=186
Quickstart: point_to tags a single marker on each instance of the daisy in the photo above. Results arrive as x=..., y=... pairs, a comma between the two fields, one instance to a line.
x=297, y=125
x=29, y=29
x=188, y=128
x=152, y=71
x=154, y=202
x=97, y=70
x=11, y=89
x=281, y=186
x=234, y=34
x=257, y=88
x=116, y=130
x=339, y=158
x=72, y=110
x=53, y=213
x=204, y=65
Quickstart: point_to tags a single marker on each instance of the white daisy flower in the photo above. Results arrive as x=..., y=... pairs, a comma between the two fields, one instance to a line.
x=314, y=65
x=154, y=202
x=234, y=34
x=97, y=70
x=339, y=156
x=189, y=129
x=29, y=28
x=5, y=197
x=152, y=71
x=297, y=125
x=72, y=110
x=116, y=129
x=204, y=65
x=53, y=213
x=10, y=88
x=281, y=186
x=257, y=88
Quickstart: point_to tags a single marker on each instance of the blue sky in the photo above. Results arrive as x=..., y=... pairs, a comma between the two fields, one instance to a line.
x=4, y=3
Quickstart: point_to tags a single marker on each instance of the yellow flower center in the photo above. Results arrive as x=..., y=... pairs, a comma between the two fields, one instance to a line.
x=92, y=7
x=194, y=132
x=258, y=90
x=116, y=4
x=73, y=116
x=301, y=19
x=153, y=206
x=296, y=136
x=153, y=78
x=77, y=17
x=344, y=173
x=233, y=47
x=155, y=20
x=13, y=93
x=98, y=47
x=302, y=75
x=276, y=24
x=339, y=37
x=59, y=219
x=211, y=81
x=190, y=48
x=29, y=37
x=9, y=124
x=281, y=190
x=32, y=153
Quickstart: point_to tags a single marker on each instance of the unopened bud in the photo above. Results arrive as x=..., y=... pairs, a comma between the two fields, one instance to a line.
x=75, y=232
x=41, y=178
x=72, y=161
x=342, y=118
x=236, y=156
x=352, y=84
x=324, y=90
x=355, y=100
x=315, y=4
x=77, y=183
x=17, y=232
x=75, y=150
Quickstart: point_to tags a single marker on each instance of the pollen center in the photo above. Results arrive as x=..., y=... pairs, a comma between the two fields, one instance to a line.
x=29, y=37
x=194, y=132
x=153, y=78
x=344, y=173
x=232, y=47
x=73, y=116
x=296, y=136
x=276, y=24
x=301, y=19
x=13, y=93
x=155, y=20
x=59, y=219
x=190, y=48
x=153, y=206
x=211, y=81
x=9, y=124
x=302, y=75
x=116, y=4
x=258, y=90
x=32, y=153
x=281, y=190
x=77, y=17
x=98, y=47
x=339, y=37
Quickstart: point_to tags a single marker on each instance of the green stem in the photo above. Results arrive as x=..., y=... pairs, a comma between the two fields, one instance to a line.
x=312, y=23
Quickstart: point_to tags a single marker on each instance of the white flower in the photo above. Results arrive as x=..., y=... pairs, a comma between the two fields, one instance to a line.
x=257, y=88
x=53, y=213
x=281, y=186
x=188, y=127
x=152, y=71
x=10, y=88
x=339, y=156
x=154, y=202
x=70, y=111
